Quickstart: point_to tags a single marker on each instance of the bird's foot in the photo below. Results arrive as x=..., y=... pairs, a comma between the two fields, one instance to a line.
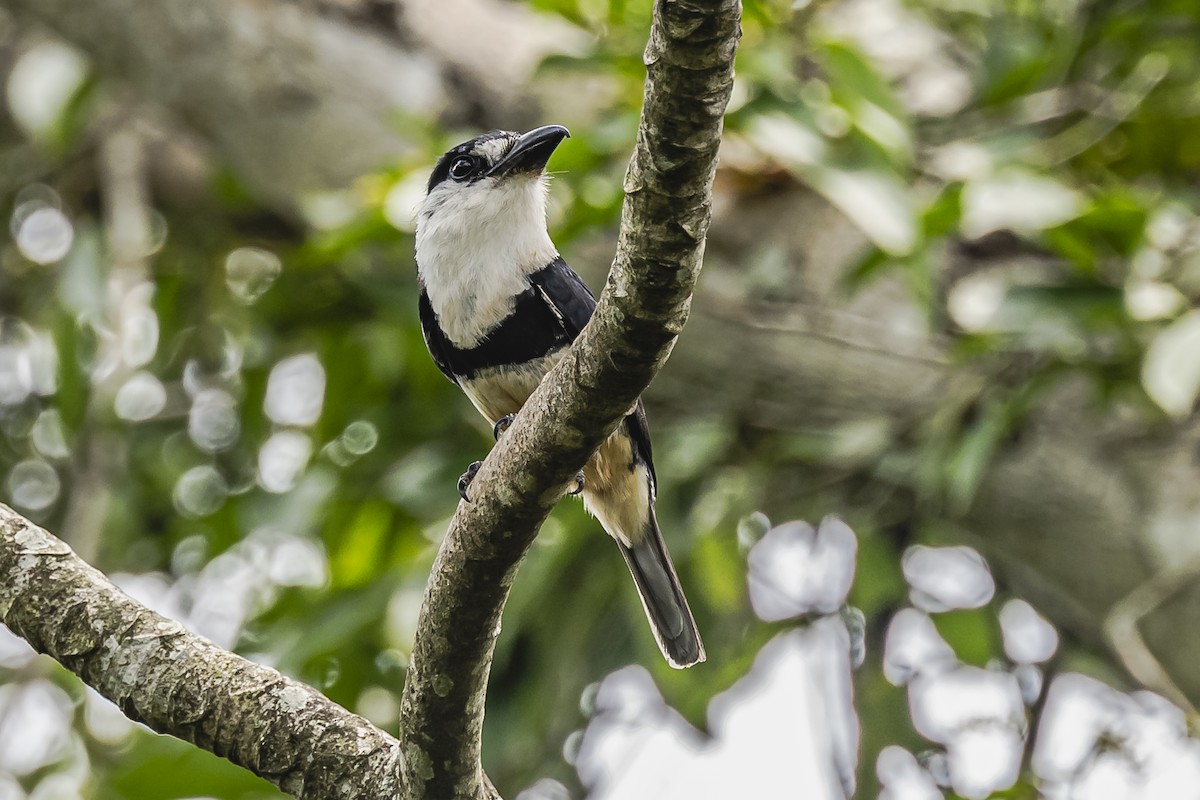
x=577, y=484
x=464, y=480
x=502, y=424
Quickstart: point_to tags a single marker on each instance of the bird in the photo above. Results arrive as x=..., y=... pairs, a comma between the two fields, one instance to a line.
x=499, y=307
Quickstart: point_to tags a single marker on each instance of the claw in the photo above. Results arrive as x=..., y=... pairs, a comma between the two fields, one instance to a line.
x=502, y=424
x=578, y=487
x=465, y=479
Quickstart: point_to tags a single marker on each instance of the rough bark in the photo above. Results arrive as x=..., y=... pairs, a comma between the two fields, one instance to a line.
x=182, y=684
x=689, y=62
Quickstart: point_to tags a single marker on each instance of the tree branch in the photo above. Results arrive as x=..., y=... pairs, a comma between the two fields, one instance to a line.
x=689, y=62
x=182, y=684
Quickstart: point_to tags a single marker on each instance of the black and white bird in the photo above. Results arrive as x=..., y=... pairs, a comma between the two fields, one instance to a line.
x=498, y=309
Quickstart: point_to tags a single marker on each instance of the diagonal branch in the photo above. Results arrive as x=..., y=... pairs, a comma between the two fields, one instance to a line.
x=689, y=62
x=182, y=684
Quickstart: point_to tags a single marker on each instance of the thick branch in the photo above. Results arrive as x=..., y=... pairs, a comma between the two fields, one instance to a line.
x=689, y=63
x=182, y=684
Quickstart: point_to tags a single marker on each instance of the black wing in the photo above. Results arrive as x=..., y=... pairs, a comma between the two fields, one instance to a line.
x=435, y=341
x=532, y=330
x=566, y=293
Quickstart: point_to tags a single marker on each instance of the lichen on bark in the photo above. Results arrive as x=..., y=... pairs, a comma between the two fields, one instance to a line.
x=182, y=684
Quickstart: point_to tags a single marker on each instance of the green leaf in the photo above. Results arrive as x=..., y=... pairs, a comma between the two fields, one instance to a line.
x=853, y=77
x=871, y=266
x=1014, y=62
x=879, y=584
x=357, y=559
x=967, y=467
x=942, y=216
x=972, y=634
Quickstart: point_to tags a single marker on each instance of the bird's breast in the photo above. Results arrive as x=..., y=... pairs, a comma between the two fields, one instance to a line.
x=474, y=262
x=499, y=391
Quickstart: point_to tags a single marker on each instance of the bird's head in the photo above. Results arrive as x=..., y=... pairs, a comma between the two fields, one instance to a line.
x=490, y=186
x=482, y=228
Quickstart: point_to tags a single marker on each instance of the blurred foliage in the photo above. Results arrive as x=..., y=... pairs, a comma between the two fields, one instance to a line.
x=958, y=136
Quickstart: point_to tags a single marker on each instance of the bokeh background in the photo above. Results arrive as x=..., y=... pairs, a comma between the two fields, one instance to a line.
x=949, y=297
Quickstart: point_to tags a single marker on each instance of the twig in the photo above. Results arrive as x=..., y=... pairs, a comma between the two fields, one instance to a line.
x=1124, y=637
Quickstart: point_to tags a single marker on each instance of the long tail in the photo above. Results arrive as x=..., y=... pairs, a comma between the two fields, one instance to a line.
x=667, y=609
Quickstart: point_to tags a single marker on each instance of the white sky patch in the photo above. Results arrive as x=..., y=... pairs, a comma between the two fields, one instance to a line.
x=903, y=778
x=48, y=436
x=295, y=391
x=33, y=485
x=15, y=652
x=784, y=138
x=282, y=459
x=329, y=210
x=20, y=352
x=944, y=578
x=381, y=706
x=1148, y=300
x=217, y=600
x=796, y=570
x=200, y=491
x=213, y=421
x=139, y=325
x=1028, y=637
x=913, y=646
x=945, y=705
x=984, y=759
x=1148, y=754
x=787, y=729
x=104, y=720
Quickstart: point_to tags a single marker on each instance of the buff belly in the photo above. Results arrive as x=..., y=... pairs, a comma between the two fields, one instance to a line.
x=616, y=487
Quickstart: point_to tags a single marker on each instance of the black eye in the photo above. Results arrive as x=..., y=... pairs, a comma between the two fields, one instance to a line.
x=462, y=168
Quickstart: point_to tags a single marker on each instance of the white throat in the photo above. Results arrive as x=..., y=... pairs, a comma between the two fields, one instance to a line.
x=477, y=244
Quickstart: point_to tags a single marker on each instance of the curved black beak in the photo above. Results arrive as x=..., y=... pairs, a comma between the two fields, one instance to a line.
x=531, y=151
